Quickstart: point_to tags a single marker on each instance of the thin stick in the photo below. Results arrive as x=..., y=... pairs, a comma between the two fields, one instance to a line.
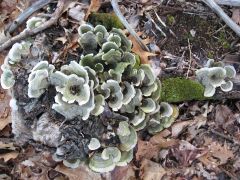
x=26, y=13
x=190, y=57
x=127, y=25
x=218, y=10
x=30, y=32
x=228, y=2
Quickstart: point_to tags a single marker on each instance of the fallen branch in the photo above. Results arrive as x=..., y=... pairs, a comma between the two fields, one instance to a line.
x=54, y=18
x=228, y=2
x=26, y=13
x=127, y=25
x=218, y=10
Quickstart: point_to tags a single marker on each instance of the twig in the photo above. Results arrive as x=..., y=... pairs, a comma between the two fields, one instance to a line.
x=26, y=13
x=225, y=137
x=30, y=32
x=218, y=10
x=127, y=25
x=190, y=57
x=228, y=2
x=157, y=27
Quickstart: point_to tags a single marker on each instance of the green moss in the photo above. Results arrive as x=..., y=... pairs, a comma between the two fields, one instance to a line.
x=223, y=40
x=109, y=20
x=170, y=20
x=180, y=89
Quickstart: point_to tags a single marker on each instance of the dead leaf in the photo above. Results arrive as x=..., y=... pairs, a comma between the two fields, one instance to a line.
x=150, y=170
x=62, y=39
x=186, y=153
x=94, y=7
x=225, y=119
x=139, y=51
x=5, y=110
x=146, y=150
x=236, y=15
x=223, y=153
x=8, y=156
x=178, y=127
x=150, y=149
x=123, y=173
x=80, y=173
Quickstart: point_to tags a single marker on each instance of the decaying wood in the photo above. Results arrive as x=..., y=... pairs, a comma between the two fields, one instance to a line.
x=218, y=10
x=233, y=94
x=54, y=18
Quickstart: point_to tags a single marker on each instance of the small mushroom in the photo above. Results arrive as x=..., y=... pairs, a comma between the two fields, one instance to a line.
x=227, y=86
x=107, y=46
x=72, y=163
x=216, y=76
x=7, y=79
x=116, y=97
x=112, y=57
x=99, y=105
x=166, y=109
x=150, y=77
x=112, y=153
x=98, y=164
x=114, y=38
x=230, y=71
x=128, y=92
x=88, y=42
x=94, y=144
x=123, y=129
x=138, y=118
x=128, y=142
x=35, y=22
x=126, y=44
x=84, y=28
x=126, y=157
x=209, y=90
x=148, y=105
x=17, y=51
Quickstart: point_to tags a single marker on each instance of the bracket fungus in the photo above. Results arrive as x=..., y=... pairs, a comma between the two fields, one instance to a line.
x=216, y=74
x=97, y=103
x=34, y=22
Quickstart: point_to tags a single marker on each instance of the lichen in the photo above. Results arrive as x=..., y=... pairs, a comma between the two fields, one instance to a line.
x=181, y=89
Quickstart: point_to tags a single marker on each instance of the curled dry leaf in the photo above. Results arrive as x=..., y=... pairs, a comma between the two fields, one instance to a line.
x=10, y=150
x=80, y=173
x=150, y=149
x=139, y=51
x=178, y=127
x=123, y=173
x=8, y=156
x=150, y=170
x=94, y=7
x=185, y=153
x=216, y=155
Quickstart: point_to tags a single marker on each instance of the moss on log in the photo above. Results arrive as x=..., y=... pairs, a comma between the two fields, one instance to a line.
x=109, y=20
x=181, y=89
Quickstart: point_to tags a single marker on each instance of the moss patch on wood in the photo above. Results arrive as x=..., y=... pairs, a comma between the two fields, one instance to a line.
x=109, y=20
x=181, y=89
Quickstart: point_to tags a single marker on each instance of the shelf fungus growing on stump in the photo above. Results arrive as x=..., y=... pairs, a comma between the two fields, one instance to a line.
x=88, y=110
x=214, y=75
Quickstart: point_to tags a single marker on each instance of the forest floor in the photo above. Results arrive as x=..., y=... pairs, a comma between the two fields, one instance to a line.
x=204, y=141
